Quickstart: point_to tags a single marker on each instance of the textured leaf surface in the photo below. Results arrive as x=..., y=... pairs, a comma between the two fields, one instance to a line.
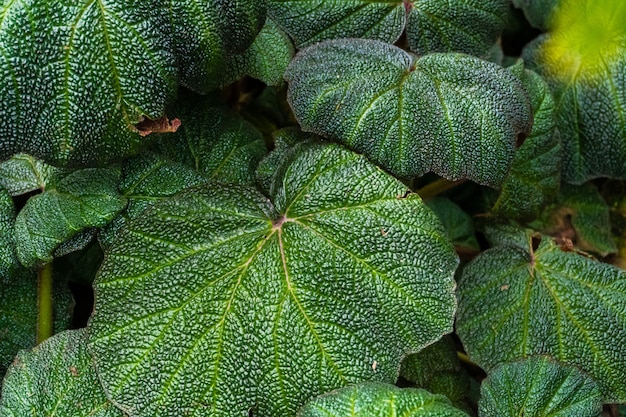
x=538, y=12
x=516, y=302
x=79, y=74
x=208, y=32
x=57, y=378
x=468, y=26
x=332, y=282
x=535, y=173
x=458, y=224
x=539, y=387
x=379, y=400
x=8, y=260
x=451, y=114
x=311, y=21
x=74, y=202
x=23, y=173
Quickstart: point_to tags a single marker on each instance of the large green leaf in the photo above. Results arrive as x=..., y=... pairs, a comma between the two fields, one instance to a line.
x=535, y=173
x=73, y=203
x=311, y=21
x=207, y=32
x=23, y=174
x=469, y=26
x=539, y=387
x=515, y=302
x=379, y=400
x=451, y=114
x=57, y=378
x=331, y=282
x=79, y=74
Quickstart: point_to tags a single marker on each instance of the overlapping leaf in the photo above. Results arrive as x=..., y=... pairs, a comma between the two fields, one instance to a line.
x=538, y=12
x=458, y=224
x=8, y=260
x=79, y=74
x=516, y=302
x=332, y=282
x=22, y=174
x=380, y=400
x=55, y=378
x=539, y=387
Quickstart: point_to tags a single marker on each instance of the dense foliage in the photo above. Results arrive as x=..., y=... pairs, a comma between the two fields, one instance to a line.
x=314, y=208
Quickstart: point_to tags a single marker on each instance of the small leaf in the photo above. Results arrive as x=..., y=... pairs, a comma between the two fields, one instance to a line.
x=539, y=387
x=451, y=114
x=312, y=21
x=332, y=282
x=74, y=202
x=458, y=224
x=55, y=378
x=23, y=174
x=538, y=12
x=379, y=400
x=516, y=302
x=535, y=173
x=468, y=26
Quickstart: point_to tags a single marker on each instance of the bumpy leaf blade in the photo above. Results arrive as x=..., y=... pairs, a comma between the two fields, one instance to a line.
x=79, y=75
x=539, y=387
x=77, y=201
x=8, y=260
x=516, y=302
x=469, y=26
x=22, y=174
x=55, y=378
x=379, y=400
x=538, y=12
x=451, y=114
x=311, y=21
x=331, y=283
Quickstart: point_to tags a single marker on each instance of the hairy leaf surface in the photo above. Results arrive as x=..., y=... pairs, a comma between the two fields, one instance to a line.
x=516, y=302
x=79, y=74
x=451, y=114
x=57, y=378
x=539, y=387
x=380, y=400
x=23, y=173
x=332, y=282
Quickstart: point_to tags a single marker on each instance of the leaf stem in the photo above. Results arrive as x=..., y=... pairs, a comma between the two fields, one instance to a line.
x=44, y=303
x=437, y=187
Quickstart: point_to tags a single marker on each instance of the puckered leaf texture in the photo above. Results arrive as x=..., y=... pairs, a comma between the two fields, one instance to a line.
x=8, y=260
x=331, y=282
x=516, y=302
x=452, y=114
x=23, y=174
x=380, y=400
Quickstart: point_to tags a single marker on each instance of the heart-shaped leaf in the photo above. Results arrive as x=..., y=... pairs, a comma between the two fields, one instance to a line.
x=539, y=387
x=80, y=74
x=57, y=378
x=332, y=282
x=451, y=114
x=380, y=400
x=516, y=302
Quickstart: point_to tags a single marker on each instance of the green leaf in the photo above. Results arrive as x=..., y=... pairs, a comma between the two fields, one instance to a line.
x=535, y=173
x=516, y=302
x=72, y=203
x=266, y=59
x=458, y=224
x=332, y=282
x=23, y=174
x=18, y=313
x=79, y=75
x=537, y=12
x=539, y=387
x=213, y=140
x=55, y=378
x=451, y=114
x=206, y=33
x=8, y=260
x=468, y=26
x=379, y=400
x=311, y=21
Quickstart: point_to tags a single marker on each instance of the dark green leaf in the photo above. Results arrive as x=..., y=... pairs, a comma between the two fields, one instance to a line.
x=311, y=21
x=332, y=282
x=516, y=302
x=379, y=400
x=538, y=12
x=535, y=173
x=57, y=378
x=539, y=387
x=23, y=174
x=451, y=114
x=458, y=224
x=8, y=260
x=71, y=204
x=469, y=26
x=79, y=74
